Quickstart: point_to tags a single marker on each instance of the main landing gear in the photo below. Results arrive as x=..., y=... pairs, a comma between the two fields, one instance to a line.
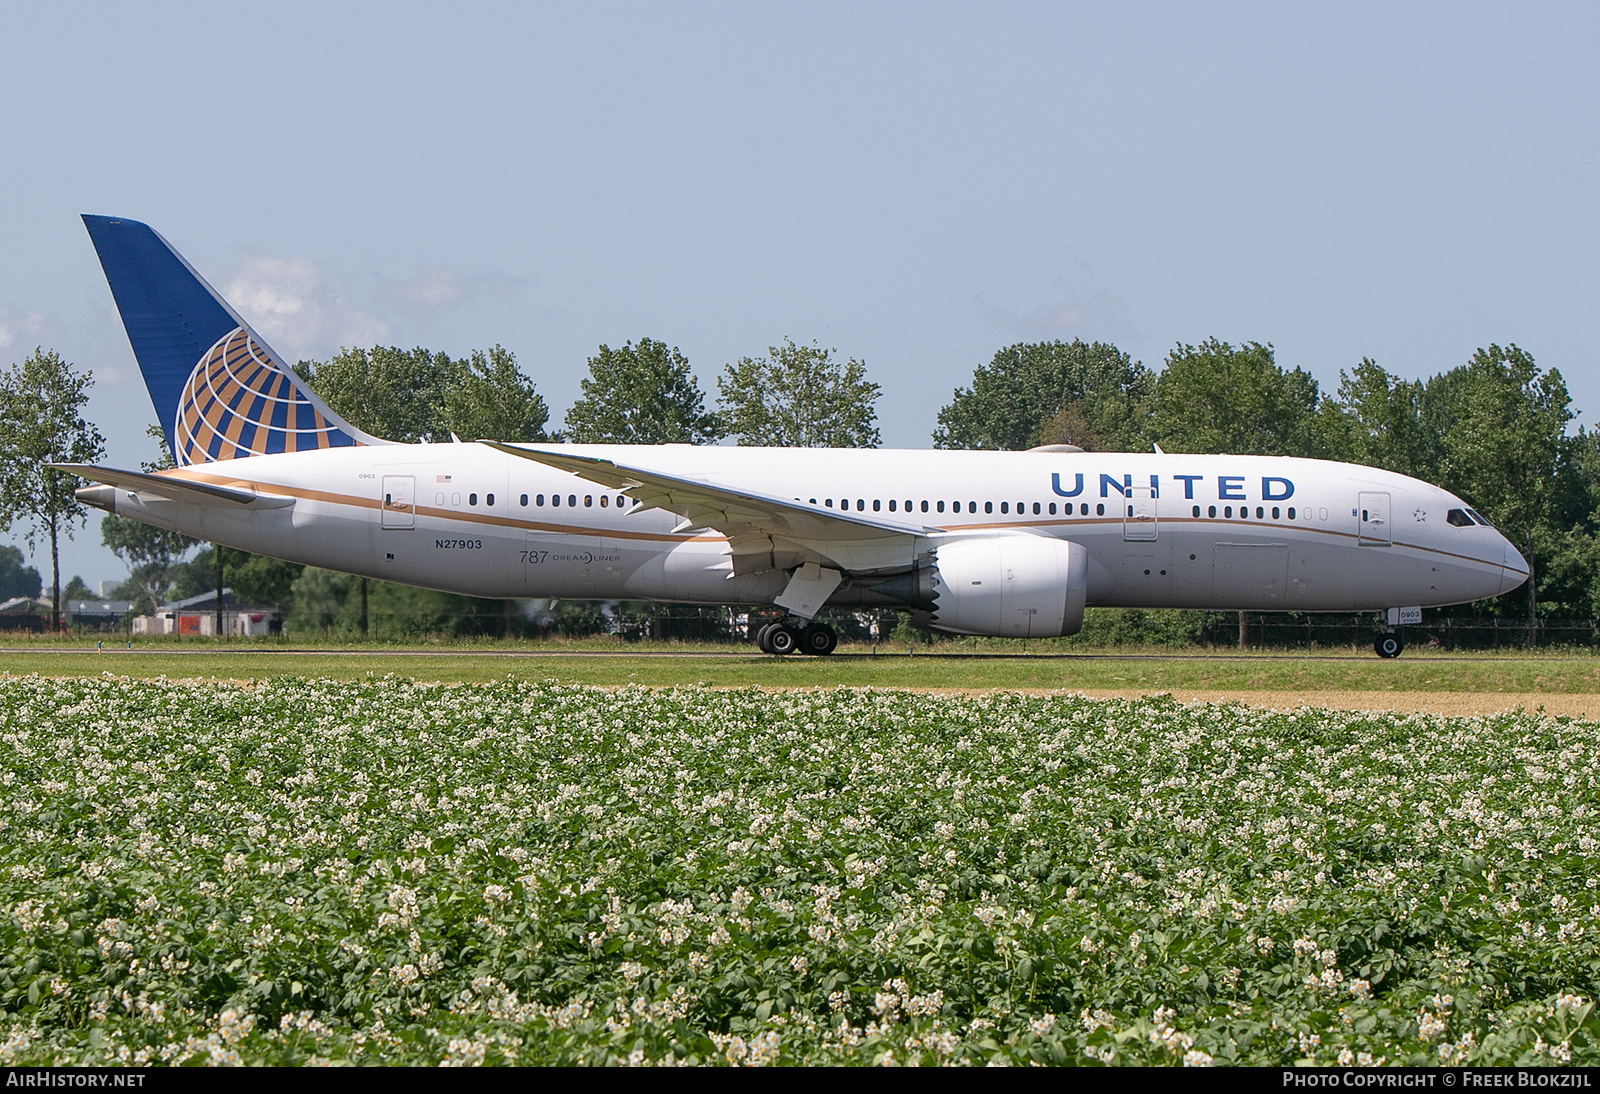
x=793, y=635
x=1388, y=644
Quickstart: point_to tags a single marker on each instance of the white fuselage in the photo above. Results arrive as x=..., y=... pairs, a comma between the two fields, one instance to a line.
x=1172, y=531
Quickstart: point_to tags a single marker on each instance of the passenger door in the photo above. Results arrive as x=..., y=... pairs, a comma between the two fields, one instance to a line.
x=1139, y=514
x=1373, y=527
x=399, y=501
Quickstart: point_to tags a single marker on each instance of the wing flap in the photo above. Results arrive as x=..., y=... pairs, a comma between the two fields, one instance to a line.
x=764, y=532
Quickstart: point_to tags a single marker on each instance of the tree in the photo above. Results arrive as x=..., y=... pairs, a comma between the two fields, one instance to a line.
x=41, y=422
x=258, y=580
x=151, y=553
x=15, y=578
x=78, y=589
x=396, y=394
x=1089, y=394
x=490, y=399
x=1380, y=420
x=642, y=394
x=1217, y=398
x=799, y=397
x=418, y=395
x=1506, y=451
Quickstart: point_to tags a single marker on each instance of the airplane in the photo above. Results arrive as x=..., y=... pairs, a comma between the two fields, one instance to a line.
x=1006, y=544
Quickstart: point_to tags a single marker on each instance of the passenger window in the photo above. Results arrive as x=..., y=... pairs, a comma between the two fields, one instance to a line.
x=1227, y=511
x=877, y=506
x=524, y=501
x=388, y=499
x=555, y=499
x=1291, y=512
x=588, y=501
x=1458, y=518
x=1211, y=510
x=604, y=501
x=828, y=502
x=1052, y=508
x=1036, y=508
x=925, y=507
x=472, y=499
x=908, y=505
x=861, y=505
x=572, y=500
x=972, y=507
x=489, y=500
x=1083, y=510
x=1100, y=509
x=891, y=505
x=538, y=500
x=1261, y=513
x=1197, y=510
x=1005, y=507
x=1274, y=512
x=941, y=506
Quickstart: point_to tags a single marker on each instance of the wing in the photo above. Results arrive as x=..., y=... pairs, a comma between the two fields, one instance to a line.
x=172, y=488
x=764, y=532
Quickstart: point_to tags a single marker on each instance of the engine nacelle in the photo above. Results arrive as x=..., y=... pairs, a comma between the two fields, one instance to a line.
x=1009, y=586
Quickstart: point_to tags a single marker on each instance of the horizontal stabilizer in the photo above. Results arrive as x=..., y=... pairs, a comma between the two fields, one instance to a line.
x=172, y=488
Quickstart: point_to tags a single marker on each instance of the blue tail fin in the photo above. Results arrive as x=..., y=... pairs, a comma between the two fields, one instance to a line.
x=219, y=391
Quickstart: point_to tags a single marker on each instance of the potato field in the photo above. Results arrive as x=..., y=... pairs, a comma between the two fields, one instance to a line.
x=382, y=872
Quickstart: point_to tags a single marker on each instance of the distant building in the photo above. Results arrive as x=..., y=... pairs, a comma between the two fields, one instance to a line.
x=32, y=613
x=198, y=615
x=105, y=615
x=21, y=613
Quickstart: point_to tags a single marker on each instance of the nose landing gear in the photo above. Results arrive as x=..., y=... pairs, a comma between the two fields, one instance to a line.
x=795, y=635
x=1388, y=644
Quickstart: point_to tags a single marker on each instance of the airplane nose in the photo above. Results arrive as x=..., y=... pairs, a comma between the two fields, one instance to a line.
x=1514, y=569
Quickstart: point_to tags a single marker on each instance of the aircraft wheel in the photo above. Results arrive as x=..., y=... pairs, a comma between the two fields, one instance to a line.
x=781, y=640
x=1388, y=645
x=819, y=639
x=761, y=637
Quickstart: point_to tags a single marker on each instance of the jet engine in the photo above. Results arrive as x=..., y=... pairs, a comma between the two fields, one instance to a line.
x=1018, y=586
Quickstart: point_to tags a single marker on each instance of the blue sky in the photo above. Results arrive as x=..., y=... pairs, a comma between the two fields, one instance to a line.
x=914, y=184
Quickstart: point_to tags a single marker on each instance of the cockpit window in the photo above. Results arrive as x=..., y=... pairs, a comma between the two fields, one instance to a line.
x=1479, y=517
x=1459, y=518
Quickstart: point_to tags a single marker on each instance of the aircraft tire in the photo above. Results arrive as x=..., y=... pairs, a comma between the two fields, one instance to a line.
x=1388, y=645
x=761, y=637
x=782, y=641
x=818, y=639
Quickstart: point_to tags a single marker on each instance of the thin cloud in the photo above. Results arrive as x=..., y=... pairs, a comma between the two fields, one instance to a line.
x=1100, y=316
x=23, y=329
x=300, y=310
x=439, y=289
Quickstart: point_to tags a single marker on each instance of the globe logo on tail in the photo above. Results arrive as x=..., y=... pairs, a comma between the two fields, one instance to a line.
x=239, y=401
